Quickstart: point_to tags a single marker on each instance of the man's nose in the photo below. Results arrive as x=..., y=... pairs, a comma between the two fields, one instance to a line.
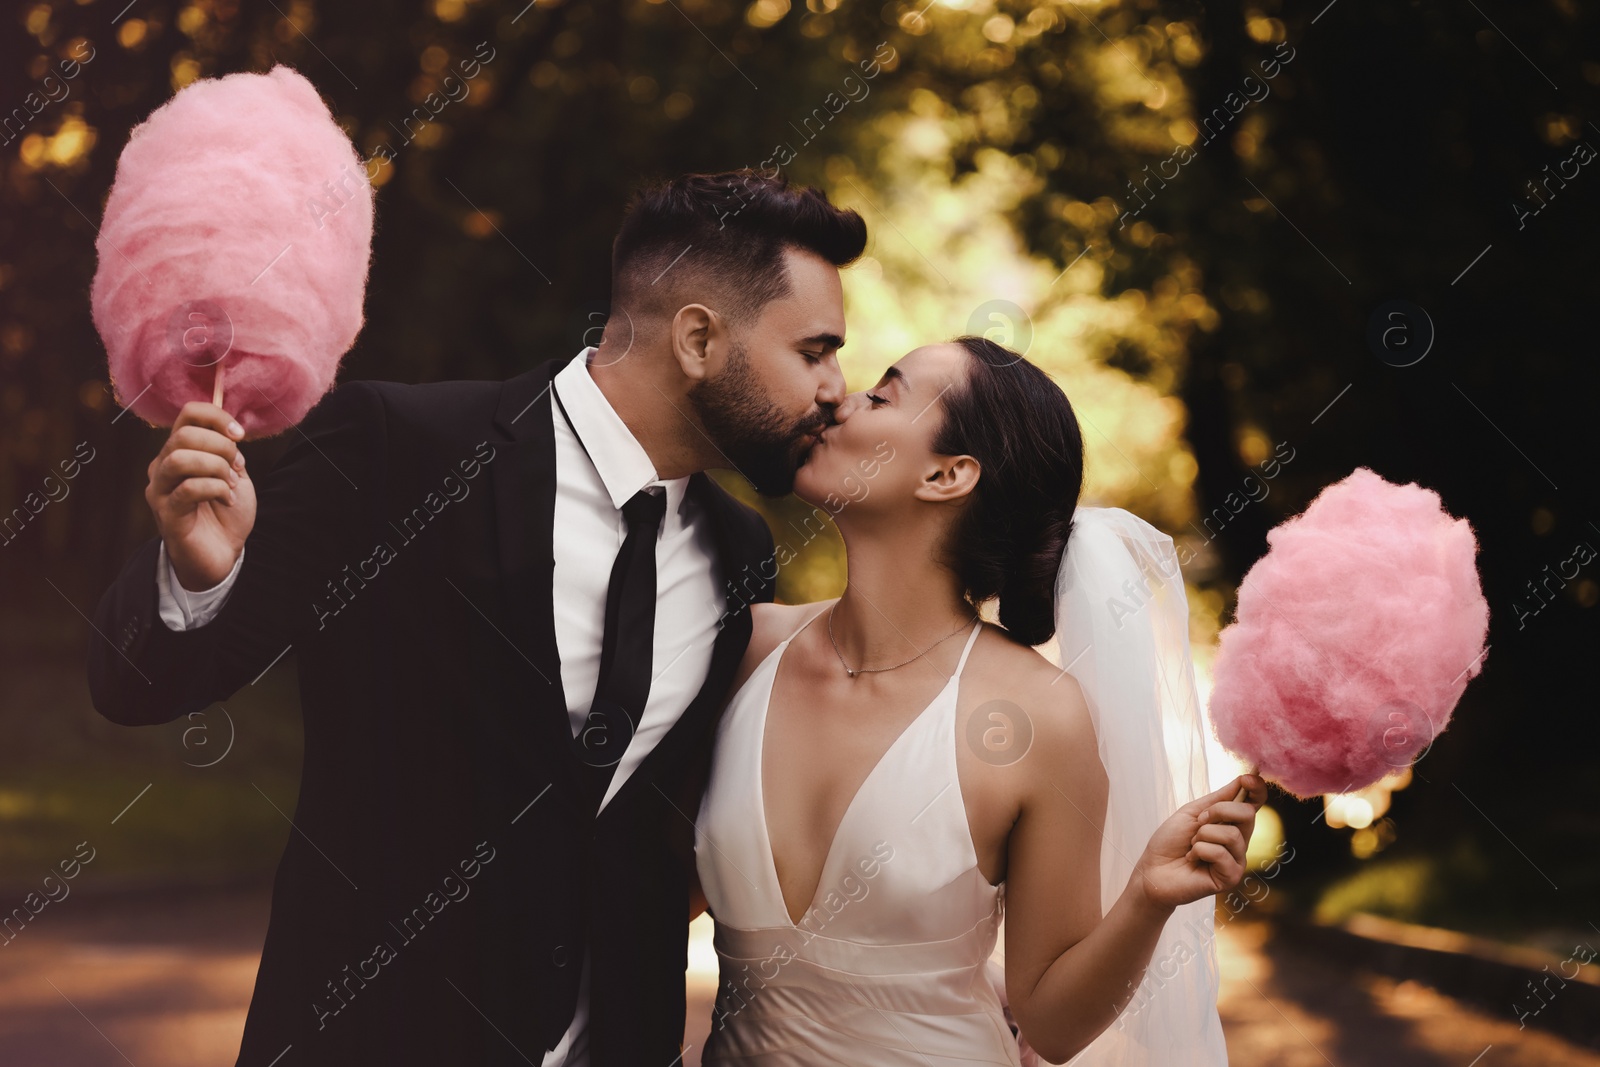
x=832, y=392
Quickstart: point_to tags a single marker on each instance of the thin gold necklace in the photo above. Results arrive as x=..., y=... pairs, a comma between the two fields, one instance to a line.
x=853, y=671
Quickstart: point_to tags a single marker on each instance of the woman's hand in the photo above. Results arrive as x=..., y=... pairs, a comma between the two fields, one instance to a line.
x=1200, y=850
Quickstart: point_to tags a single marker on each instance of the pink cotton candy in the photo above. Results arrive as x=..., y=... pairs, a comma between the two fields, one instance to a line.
x=1354, y=638
x=236, y=238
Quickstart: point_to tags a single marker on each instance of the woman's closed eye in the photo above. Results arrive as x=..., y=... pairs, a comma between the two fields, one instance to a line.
x=876, y=399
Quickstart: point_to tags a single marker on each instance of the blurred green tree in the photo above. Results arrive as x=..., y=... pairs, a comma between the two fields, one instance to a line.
x=1195, y=213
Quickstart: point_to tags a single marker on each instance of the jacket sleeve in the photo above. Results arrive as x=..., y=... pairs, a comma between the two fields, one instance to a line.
x=313, y=511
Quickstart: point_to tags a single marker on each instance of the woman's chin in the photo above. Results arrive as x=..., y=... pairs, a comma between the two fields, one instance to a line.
x=833, y=470
x=810, y=479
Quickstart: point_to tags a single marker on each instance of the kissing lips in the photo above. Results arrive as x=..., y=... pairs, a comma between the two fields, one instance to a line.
x=809, y=443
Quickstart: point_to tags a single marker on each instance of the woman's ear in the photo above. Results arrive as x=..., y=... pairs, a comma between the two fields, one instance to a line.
x=950, y=480
x=693, y=328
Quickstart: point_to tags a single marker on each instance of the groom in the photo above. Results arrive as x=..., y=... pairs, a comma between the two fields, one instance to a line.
x=515, y=619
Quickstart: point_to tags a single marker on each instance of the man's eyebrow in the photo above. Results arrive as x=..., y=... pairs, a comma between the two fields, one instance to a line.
x=826, y=340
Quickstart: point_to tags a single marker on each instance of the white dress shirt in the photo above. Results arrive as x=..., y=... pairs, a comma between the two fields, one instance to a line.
x=591, y=487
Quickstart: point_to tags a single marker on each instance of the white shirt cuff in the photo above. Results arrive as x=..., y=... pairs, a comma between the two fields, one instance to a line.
x=184, y=609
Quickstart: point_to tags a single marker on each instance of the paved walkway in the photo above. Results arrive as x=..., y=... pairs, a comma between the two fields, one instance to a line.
x=163, y=979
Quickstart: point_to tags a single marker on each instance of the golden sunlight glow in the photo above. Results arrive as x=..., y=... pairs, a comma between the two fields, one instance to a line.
x=1221, y=765
x=999, y=28
x=185, y=69
x=702, y=955
x=70, y=144
x=32, y=151
x=1254, y=445
x=1360, y=809
x=192, y=19
x=131, y=33
x=1267, y=840
x=764, y=13
x=480, y=223
x=950, y=265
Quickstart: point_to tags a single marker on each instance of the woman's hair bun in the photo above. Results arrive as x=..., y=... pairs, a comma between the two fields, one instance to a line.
x=1012, y=534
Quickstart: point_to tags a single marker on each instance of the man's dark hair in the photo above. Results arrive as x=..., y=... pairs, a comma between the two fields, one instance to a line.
x=727, y=234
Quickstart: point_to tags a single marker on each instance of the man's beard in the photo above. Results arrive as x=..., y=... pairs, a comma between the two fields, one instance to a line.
x=749, y=431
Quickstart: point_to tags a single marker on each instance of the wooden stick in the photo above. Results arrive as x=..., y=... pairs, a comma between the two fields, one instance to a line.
x=216, y=386
x=1242, y=793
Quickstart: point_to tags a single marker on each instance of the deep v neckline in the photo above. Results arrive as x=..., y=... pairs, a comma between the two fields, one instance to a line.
x=776, y=658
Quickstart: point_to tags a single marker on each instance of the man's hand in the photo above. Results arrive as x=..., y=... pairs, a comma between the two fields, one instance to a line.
x=1200, y=850
x=201, y=495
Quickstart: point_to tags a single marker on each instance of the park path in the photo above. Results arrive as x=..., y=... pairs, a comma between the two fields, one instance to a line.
x=163, y=978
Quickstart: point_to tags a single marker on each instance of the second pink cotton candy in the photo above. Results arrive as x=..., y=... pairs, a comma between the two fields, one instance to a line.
x=1354, y=638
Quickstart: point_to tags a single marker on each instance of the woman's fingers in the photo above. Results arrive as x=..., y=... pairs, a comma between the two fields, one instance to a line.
x=1222, y=846
x=1249, y=788
x=1229, y=811
x=1254, y=793
x=1228, y=837
x=1199, y=804
x=1255, y=788
x=1222, y=861
x=1222, y=834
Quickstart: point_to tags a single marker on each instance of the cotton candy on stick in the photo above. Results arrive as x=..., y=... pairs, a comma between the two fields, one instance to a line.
x=1353, y=639
x=233, y=253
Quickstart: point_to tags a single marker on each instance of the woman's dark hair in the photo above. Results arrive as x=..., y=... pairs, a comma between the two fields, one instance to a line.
x=726, y=232
x=1012, y=533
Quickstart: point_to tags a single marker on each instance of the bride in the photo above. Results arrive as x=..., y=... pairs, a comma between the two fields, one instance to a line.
x=893, y=776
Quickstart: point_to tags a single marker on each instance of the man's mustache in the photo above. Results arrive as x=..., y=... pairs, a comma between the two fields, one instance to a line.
x=823, y=421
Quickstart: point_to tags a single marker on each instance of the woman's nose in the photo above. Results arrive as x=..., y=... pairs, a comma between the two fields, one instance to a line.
x=850, y=406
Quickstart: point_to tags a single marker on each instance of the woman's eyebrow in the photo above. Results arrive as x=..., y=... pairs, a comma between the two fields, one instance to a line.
x=895, y=374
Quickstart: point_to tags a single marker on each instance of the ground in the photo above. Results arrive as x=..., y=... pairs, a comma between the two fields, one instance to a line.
x=164, y=978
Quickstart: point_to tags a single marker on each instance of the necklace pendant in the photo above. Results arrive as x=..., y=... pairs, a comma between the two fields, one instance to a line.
x=850, y=672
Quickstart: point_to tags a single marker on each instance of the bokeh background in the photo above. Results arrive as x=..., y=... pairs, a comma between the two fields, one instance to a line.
x=1258, y=242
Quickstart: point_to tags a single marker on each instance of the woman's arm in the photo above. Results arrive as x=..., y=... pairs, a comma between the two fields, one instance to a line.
x=1069, y=972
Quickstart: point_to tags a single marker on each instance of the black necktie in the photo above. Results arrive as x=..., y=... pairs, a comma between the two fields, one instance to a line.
x=625, y=650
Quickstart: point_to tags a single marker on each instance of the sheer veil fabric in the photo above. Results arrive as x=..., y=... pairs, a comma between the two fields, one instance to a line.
x=1122, y=629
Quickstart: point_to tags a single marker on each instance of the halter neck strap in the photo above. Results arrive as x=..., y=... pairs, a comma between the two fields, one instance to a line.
x=977, y=628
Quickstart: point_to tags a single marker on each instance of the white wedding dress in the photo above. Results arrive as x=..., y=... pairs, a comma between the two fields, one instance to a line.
x=890, y=962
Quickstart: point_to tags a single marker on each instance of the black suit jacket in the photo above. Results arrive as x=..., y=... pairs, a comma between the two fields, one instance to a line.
x=441, y=885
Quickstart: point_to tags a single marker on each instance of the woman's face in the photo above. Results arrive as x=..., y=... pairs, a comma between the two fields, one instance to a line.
x=879, y=451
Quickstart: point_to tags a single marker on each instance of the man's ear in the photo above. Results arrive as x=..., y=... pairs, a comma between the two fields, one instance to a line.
x=950, y=480
x=691, y=338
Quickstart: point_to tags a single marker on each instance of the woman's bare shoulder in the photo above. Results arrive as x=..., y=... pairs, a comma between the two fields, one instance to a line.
x=770, y=625
x=1046, y=700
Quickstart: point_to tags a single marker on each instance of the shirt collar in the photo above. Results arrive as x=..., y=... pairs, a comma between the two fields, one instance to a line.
x=618, y=457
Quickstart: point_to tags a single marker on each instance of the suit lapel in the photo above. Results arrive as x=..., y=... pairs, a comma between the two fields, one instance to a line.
x=524, y=491
x=525, y=498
